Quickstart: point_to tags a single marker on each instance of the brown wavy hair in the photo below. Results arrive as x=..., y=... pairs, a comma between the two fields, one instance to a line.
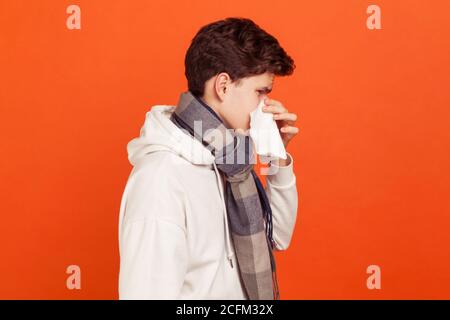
x=236, y=46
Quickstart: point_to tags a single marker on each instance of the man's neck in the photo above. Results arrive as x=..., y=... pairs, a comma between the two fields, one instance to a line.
x=210, y=103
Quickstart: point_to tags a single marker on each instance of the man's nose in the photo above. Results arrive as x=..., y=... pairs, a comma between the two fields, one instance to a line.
x=263, y=97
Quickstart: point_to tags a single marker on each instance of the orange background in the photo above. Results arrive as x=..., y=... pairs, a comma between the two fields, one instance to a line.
x=371, y=158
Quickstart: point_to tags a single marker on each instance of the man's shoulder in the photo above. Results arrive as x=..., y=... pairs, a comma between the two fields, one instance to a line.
x=168, y=171
x=163, y=163
x=155, y=189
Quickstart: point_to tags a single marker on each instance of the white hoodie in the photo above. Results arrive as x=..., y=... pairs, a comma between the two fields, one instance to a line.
x=174, y=240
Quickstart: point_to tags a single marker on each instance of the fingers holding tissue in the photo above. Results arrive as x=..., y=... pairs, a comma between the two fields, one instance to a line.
x=285, y=120
x=265, y=133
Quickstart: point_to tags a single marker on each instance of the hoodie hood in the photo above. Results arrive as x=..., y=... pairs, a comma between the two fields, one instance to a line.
x=160, y=133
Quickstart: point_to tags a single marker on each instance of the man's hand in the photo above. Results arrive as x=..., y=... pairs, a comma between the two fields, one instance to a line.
x=285, y=120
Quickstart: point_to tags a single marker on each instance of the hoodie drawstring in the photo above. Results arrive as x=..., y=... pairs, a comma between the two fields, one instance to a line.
x=228, y=245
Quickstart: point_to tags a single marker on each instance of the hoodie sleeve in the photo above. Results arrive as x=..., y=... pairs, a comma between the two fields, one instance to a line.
x=281, y=190
x=153, y=246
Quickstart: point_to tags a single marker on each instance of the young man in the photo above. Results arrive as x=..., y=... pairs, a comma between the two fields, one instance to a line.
x=194, y=225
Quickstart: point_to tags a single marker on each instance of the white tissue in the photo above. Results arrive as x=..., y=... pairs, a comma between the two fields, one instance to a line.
x=265, y=133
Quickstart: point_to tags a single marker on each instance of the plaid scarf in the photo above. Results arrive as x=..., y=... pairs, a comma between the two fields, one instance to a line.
x=248, y=208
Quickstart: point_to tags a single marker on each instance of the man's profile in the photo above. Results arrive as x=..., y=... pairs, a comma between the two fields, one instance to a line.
x=191, y=225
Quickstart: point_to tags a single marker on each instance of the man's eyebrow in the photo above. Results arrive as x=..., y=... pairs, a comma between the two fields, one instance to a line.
x=265, y=89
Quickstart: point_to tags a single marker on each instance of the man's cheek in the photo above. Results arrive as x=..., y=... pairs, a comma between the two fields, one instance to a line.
x=247, y=121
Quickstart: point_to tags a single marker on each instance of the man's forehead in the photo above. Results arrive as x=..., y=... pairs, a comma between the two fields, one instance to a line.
x=260, y=81
x=266, y=79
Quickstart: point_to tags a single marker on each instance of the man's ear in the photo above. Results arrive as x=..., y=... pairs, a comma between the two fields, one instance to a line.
x=221, y=85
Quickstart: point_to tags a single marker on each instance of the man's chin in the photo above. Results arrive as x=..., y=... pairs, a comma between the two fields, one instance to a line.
x=243, y=131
